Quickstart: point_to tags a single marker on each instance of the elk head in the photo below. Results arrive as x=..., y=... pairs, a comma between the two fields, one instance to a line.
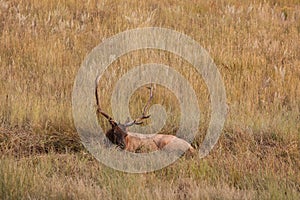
x=118, y=131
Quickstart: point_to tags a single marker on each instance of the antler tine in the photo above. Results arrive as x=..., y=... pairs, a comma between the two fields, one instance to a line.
x=145, y=109
x=99, y=110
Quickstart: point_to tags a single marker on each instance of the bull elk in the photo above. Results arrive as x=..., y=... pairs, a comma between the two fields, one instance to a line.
x=137, y=142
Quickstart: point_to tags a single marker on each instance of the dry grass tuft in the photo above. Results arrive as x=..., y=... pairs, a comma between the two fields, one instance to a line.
x=255, y=46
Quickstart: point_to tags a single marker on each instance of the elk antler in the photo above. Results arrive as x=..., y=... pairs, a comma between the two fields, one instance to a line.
x=138, y=121
x=99, y=110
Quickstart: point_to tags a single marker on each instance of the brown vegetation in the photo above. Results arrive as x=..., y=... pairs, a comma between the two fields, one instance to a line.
x=255, y=46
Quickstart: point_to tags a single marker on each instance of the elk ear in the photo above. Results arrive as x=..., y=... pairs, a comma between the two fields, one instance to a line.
x=125, y=134
x=123, y=129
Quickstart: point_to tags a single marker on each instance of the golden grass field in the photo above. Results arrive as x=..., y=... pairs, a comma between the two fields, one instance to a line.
x=255, y=45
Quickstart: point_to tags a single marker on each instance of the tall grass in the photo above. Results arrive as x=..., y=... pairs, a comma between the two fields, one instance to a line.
x=254, y=44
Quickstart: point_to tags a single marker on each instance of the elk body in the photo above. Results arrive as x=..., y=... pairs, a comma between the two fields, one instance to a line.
x=141, y=143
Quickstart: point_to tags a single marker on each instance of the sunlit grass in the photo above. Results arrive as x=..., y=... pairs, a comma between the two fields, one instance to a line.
x=255, y=46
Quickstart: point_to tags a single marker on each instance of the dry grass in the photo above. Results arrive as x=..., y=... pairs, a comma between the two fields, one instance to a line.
x=255, y=46
x=72, y=176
